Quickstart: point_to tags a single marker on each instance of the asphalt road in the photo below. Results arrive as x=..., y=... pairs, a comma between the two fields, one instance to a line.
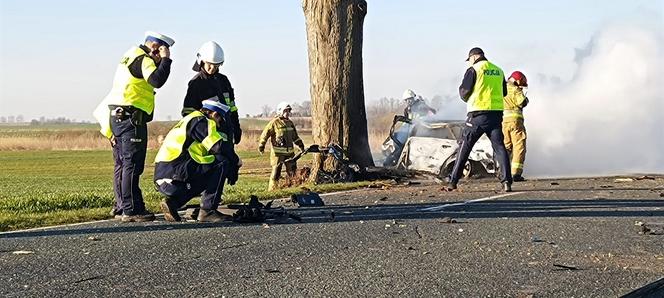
x=550, y=238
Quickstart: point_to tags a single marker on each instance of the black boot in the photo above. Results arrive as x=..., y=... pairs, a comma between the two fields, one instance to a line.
x=207, y=215
x=170, y=210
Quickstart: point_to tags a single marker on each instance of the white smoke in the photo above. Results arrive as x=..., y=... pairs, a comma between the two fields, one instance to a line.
x=609, y=118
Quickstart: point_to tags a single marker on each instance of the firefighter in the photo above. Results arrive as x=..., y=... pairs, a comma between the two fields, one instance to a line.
x=416, y=107
x=124, y=114
x=282, y=134
x=483, y=88
x=513, y=126
x=196, y=158
x=209, y=83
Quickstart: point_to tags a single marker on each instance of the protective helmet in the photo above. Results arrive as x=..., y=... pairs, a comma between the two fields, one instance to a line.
x=282, y=106
x=408, y=94
x=520, y=78
x=210, y=52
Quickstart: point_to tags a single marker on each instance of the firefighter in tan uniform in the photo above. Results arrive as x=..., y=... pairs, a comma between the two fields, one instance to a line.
x=513, y=127
x=282, y=135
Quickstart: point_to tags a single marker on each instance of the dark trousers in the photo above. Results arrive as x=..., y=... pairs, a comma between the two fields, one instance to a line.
x=490, y=124
x=205, y=180
x=131, y=142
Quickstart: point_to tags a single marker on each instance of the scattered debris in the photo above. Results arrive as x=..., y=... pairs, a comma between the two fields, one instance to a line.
x=606, y=186
x=23, y=252
x=652, y=228
x=460, y=230
x=535, y=239
x=554, y=183
x=309, y=199
x=383, y=199
x=273, y=270
x=93, y=238
x=331, y=215
x=347, y=212
x=661, y=194
x=408, y=183
x=623, y=180
x=646, y=177
x=417, y=231
x=89, y=279
x=565, y=267
x=266, y=226
x=410, y=248
x=447, y=220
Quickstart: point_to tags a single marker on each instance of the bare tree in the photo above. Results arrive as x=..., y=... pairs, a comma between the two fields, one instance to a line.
x=266, y=110
x=334, y=38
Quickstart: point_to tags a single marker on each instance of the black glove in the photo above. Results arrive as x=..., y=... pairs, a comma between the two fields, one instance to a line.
x=237, y=136
x=232, y=174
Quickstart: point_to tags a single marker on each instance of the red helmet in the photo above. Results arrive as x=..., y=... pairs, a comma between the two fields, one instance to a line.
x=520, y=78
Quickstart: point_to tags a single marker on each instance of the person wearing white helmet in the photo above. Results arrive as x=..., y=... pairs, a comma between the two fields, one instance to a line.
x=123, y=117
x=416, y=107
x=196, y=158
x=282, y=135
x=210, y=84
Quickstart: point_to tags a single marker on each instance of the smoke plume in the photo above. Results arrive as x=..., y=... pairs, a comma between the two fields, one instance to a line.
x=609, y=117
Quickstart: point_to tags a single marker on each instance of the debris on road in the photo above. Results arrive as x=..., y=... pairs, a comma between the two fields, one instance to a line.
x=23, y=252
x=566, y=267
x=623, y=180
x=93, y=238
x=645, y=178
x=555, y=183
x=652, y=228
x=309, y=199
x=447, y=220
x=417, y=231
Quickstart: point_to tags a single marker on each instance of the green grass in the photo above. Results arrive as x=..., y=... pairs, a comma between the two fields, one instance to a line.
x=41, y=188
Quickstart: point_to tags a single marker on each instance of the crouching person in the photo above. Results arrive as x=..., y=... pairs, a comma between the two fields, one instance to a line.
x=196, y=158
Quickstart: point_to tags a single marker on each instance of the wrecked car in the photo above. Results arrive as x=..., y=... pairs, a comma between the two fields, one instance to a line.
x=431, y=146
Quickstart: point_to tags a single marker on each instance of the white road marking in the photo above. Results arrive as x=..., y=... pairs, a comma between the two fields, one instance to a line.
x=441, y=207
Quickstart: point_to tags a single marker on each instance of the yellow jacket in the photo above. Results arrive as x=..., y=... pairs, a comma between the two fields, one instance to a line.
x=282, y=135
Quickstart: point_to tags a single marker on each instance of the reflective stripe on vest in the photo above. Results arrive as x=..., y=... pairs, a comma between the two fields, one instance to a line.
x=512, y=102
x=229, y=102
x=129, y=90
x=177, y=137
x=488, y=90
x=282, y=150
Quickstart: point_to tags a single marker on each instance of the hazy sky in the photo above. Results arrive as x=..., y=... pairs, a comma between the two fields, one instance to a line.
x=58, y=57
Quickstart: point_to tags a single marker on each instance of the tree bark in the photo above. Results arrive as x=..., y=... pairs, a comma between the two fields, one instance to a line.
x=334, y=39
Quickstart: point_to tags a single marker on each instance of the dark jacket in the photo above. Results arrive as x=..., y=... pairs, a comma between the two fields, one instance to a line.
x=203, y=86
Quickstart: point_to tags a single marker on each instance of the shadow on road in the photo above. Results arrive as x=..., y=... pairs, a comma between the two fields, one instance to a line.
x=457, y=210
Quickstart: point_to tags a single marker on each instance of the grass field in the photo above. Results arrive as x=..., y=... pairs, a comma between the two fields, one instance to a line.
x=40, y=188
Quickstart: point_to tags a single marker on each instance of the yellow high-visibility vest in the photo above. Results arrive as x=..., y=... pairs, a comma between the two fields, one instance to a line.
x=488, y=90
x=128, y=90
x=199, y=151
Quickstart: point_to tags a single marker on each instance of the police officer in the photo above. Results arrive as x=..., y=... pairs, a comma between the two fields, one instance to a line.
x=196, y=158
x=123, y=116
x=514, y=129
x=483, y=88
x=416, y=107
x=282, y=134
x=208, y=83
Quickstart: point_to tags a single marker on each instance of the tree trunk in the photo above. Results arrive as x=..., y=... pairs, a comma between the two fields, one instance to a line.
x=334, y=38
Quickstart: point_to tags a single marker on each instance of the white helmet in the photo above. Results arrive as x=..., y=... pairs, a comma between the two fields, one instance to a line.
x=210, y=52
x=408, y=94
x=282, y=106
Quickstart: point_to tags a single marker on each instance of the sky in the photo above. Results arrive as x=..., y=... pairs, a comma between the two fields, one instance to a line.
x=58, y=58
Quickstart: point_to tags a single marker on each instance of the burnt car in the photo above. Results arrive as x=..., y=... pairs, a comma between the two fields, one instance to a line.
x=431, y=146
